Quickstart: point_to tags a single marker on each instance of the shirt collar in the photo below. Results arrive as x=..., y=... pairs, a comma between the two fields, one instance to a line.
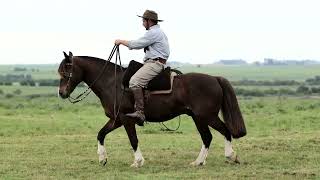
x=154, y=26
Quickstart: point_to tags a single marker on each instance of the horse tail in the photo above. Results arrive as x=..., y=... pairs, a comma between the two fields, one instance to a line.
x=231, y=110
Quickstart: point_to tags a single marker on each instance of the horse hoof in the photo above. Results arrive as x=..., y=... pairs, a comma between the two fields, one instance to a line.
x=138, y=163
x=103, y=162
x=195, y=163
x=234, y=158
x=134, y=165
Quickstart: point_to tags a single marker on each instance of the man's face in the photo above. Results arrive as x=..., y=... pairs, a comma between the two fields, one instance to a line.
x=145, y=23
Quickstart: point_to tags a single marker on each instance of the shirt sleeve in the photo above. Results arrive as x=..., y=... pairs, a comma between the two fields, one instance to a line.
x=146, y=40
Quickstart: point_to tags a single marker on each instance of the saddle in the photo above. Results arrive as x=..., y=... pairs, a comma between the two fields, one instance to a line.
x=159, y=83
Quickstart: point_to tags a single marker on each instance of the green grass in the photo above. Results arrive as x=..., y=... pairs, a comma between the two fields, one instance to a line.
x=43, y=137
x=48, y=138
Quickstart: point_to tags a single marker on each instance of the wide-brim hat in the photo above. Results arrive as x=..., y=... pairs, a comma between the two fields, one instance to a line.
x=149, y=14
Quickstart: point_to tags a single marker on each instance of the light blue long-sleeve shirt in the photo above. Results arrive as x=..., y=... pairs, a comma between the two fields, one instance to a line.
x=157, y=42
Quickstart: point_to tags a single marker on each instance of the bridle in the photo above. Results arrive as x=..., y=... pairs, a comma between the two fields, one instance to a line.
x=68, y=74
x=86, y=92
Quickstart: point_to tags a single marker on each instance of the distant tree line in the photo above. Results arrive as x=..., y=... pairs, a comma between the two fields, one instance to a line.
x=303, y=87
x=310, y=81
x=15, y=77
x=314, y=81
x=266, y=83
x=301, y=90
x=26, y=80
x=19, y=69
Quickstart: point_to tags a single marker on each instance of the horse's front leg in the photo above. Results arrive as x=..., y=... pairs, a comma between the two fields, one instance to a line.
x=108, y=127
x=132, y=134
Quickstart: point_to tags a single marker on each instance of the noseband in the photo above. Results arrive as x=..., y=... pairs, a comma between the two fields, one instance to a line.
x=69, y=76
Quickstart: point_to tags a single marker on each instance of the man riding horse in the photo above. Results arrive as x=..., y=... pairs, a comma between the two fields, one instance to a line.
x=198, y=95
x=156, y=48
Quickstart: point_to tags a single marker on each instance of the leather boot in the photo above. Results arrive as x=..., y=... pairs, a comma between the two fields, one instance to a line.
x=138, y=105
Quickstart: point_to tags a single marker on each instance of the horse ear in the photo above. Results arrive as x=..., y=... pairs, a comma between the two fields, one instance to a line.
x=65, y=55
x=70, y=54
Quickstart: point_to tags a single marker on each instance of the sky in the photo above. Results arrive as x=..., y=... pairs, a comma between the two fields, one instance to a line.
x=199, y=32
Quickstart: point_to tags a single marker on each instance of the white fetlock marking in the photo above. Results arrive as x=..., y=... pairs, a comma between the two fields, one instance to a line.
x=138, y=159
x=101, y=152
x=228, y=151
x=201, y=160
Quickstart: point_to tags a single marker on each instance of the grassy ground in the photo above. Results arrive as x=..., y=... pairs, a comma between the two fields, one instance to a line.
x=47, y=138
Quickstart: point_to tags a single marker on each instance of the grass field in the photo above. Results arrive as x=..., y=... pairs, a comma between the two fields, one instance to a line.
x=252, y=72
x=48, y=71
x=233, y=73
x=44, y=137
x=48, y=138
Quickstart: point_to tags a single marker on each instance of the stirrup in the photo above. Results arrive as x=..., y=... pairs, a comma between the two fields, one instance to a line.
x=139, y=116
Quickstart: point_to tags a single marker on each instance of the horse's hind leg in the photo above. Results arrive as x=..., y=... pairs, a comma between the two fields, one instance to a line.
x=107, y=128
x=229, y=153
x=206, y=137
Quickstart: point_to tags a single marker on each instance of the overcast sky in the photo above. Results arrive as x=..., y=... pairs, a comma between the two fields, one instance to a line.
x=201, y=31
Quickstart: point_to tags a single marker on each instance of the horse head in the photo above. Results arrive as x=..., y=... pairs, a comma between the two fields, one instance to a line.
x=70, y=75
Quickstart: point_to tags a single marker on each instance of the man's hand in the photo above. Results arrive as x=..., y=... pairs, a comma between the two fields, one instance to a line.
x=119, y=42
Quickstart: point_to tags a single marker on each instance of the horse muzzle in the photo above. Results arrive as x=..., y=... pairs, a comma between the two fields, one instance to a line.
x=63, y=94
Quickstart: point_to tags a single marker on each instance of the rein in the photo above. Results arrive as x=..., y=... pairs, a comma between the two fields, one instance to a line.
x=169, y=129
x=116, y=113
x=86, y=92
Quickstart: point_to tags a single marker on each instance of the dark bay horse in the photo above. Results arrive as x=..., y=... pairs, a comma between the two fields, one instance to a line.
x=198, y=95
